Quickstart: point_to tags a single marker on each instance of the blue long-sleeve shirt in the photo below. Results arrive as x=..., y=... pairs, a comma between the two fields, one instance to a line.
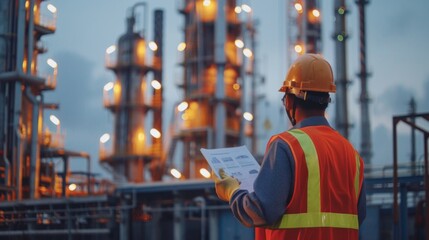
x=273, y=187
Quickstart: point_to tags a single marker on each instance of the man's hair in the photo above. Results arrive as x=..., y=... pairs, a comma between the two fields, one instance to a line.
x=314, y=101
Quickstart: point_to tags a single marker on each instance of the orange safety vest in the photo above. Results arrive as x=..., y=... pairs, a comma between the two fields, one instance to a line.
x=327, y=184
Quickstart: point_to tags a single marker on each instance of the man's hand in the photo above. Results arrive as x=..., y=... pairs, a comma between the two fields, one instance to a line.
x=226, y=186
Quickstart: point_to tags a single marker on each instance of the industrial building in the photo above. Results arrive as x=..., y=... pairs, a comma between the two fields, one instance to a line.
x=161, y=186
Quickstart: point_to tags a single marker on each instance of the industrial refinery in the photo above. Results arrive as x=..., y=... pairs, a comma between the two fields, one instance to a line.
x=159, y=185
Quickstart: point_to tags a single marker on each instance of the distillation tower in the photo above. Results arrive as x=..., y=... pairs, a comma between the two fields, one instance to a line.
x=304, y=36
x=304, y=31
x=135, y=100
x=27, y=147
x=213, y=56
x=22, y=141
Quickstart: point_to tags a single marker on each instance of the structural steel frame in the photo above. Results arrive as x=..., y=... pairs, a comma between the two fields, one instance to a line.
x=400, y=231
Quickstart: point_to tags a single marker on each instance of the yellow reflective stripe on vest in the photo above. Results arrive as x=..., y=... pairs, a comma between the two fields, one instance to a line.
x=319, y=219
x=357, y=176
x=314, y=217
x=312, y=160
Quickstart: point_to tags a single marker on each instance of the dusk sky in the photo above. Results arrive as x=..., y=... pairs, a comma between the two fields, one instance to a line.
x=397, y=51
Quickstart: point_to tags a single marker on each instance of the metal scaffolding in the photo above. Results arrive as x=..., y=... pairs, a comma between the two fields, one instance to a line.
x=135, y=100
x=400, y=211
x=304, y=31
x=213, y=55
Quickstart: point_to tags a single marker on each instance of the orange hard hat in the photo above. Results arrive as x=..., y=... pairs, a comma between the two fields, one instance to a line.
x=309, y=72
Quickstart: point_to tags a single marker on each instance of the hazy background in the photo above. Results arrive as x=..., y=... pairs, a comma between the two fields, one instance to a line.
x=397, y=49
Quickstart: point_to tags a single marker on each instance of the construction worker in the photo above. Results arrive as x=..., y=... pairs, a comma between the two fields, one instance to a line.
x=310, y=185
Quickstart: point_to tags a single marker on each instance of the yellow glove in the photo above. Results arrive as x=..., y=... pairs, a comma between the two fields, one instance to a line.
x=226, y=186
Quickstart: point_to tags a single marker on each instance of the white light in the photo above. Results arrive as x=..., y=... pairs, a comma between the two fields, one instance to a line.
x=72, y=187
x=182, y=106
x=181, y=47
x=155, y=84
x=109, y=86
x=237, y=9
x=205, y=173
x=246, y=8
x=239, y=43
x=54, y=120
x=52, y=63
x=248, y=116
x=104, y=138
x=206, y=3
x=175, y=173
x=247, y=52
x=111, y=49
x=51, y=8
x=298, y=7
x=298, y=48
x=153, y=46
x=315, y=13
x=155, y=133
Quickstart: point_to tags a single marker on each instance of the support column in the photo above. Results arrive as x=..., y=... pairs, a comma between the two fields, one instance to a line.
x=404, y=212
x=341, y=99
x=124, y=225
x=426, y=165
x=366, y=143
x=213, y=225
x=65, y=170
x=178, y=220
x=220, y=109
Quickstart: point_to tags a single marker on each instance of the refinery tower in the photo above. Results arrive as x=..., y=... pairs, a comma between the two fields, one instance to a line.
x=216, y=58
x=161, y=186
x=135, y=100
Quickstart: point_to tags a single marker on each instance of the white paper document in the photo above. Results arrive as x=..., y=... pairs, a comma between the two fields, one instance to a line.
x=237, y=162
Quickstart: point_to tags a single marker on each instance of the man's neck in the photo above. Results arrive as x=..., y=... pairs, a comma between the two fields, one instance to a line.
x=303, y=114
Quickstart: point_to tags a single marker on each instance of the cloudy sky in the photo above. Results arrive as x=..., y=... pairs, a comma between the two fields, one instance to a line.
x=397, y=47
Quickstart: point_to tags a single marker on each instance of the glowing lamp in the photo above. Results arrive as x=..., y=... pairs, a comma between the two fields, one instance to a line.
x=54, y=120
x=155, y=133
x=153, y=46
x=175, y=173
x=51, y=8
x=246, y=8
x=104, y=138
x=298, y=48
x=111, y=49
x=239, y=43
x=72, y=187
x=298, y=7
x=52, y=63
x=248, y=116
x=155, y=84
x=237, y=9
x=247, y=52
x=181, y=47
x=182, y=106
x=205, y=173
x=316, y=13
x=109, y=86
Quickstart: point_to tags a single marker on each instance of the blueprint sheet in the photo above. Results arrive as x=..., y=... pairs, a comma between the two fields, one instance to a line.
x=237, y=162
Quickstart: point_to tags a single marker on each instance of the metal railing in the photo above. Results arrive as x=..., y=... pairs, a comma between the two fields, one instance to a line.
x=404, y=170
